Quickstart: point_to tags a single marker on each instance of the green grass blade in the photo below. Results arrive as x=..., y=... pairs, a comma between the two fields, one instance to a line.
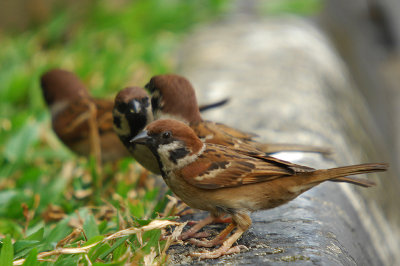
x=7, y=252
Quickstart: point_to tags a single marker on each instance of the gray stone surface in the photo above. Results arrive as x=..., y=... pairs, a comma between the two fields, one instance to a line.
x=288, y=85
x=367, y=35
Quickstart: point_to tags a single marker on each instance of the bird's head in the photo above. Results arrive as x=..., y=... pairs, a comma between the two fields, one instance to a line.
x=60, y=85
x=131, y=112
x=173, y=96
x=174, y=143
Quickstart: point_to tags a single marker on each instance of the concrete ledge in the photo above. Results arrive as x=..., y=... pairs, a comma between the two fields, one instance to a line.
x=288, y=85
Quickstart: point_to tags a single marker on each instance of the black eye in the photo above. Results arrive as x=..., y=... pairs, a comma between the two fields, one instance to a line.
x=166, y=134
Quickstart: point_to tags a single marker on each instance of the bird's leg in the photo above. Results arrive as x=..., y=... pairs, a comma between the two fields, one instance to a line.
x=197, y=227
x=95, y=147
x=240, y=220
x=183, y=209
x=218, y=240
x=225, y=249
x=192, y=232
x=217, y=220
x=222, y=220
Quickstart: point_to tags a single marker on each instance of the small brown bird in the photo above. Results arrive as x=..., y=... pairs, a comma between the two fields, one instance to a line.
x=173, y=96
x=84, y=124
x=236, y=182
x=132, y=112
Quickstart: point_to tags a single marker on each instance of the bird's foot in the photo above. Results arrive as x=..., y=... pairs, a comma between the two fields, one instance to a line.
x=206, y=243
x=191, y=234
x=223, y=250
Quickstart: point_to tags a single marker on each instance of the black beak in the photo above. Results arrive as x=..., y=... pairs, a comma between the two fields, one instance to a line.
x=140, y=138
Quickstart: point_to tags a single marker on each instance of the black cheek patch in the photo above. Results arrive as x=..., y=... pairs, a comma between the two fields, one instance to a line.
x=155, y=103
x=177, y=154
x=121, y=107
x=117, y=121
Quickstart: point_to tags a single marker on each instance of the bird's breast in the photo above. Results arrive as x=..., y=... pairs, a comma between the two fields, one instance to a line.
x=145, y=157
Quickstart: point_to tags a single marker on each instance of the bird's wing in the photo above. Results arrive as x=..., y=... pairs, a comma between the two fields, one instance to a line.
x=219, y=167
x=72, y=123
x=211, y=132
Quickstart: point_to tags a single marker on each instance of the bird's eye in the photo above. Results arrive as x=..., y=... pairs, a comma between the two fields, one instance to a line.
x=166, y=134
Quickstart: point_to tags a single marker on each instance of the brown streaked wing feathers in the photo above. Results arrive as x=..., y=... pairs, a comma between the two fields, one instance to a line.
x=74, y=125
x=235, y=132
x=222, y=134
x=303, y=169
x=104, y=115
x=219, y=167
x=297, y=168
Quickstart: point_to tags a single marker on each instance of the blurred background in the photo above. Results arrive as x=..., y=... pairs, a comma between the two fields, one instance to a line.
x=111, y=44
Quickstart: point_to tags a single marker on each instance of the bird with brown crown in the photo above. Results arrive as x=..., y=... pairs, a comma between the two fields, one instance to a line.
x=131, y=113
x=83, y=123
x=173, y=96
x=223, y=180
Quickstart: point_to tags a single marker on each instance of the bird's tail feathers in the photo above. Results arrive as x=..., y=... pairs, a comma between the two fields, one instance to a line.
x=341, y=174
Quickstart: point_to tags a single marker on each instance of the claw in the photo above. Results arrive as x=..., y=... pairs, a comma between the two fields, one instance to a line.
x=191, y=223
x=203, y=234
x=206, y=243
x=197, y=227
x=221, y=239
x=223, y=250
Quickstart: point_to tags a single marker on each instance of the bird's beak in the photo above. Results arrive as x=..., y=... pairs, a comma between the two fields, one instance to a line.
x=140, y=138
x=136, y=106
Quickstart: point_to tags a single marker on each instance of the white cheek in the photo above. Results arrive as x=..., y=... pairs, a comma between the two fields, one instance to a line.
x=168, y=165
x=58, y=107
x=150, y=117
x=124, y=129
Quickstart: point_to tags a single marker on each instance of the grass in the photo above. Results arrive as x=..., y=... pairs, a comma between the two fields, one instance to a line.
x=48, y=201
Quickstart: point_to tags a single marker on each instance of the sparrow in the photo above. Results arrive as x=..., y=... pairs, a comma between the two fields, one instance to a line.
x=132, y=112
x=173, y=96
x=83, y=123
x=223, y=180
